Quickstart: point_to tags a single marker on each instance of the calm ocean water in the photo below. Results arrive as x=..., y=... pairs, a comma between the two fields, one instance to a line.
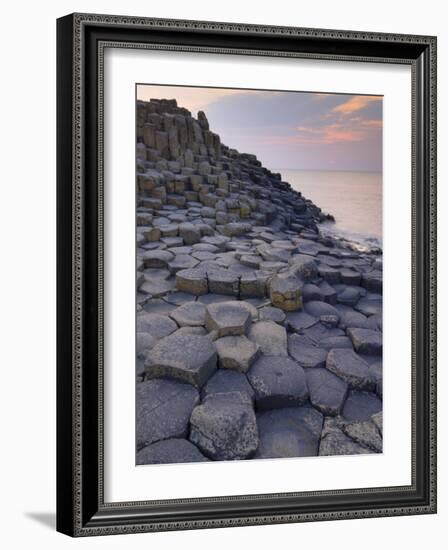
x=353, y=198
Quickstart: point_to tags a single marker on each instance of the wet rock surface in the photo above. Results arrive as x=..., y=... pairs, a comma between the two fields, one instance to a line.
x=256, y=336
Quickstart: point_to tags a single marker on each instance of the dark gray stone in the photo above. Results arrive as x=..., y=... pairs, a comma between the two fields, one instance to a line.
x=346, y=364
x=373, y=281
x=278, y=382
x=270, y=336
x=228, y=318
x=354, y=319
x=318, y=309
x=269, y=313
x=236, y=352
x=306, y=355
x=184, y=357
x=335, y=342
x=180, y=262
x=366, y=341
x=311, y=292
x=227, y=381
x=349, y=296
x=361, y=405
x=289, y=432
x=157, y=258
x=335, y=442
x=327, y=391
x=163, y=410
x=170, y=451
x=193, y=281
x=191, y=314
x=299, y=320
x=224, y=426
x=158, y=326
x=365, y=433
x=303, y=266
x=369, y=307
x=224, y=282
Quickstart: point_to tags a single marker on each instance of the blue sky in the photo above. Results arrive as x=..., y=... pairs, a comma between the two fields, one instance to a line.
x=289, y=130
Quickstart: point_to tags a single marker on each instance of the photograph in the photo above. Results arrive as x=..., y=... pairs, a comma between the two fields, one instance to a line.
x=259, y=245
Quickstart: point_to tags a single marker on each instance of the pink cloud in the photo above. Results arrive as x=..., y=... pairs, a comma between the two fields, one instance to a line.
x=355, y=103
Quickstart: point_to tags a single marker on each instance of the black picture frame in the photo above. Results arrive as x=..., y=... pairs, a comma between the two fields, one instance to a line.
x=81, y=510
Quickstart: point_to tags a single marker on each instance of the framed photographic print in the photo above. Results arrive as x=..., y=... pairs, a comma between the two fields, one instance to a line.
x=246, y=275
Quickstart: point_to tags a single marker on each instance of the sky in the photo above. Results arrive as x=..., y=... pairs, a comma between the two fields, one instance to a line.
x=289, y=130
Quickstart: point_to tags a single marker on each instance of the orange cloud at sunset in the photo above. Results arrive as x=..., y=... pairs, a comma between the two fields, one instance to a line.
x=355, y=103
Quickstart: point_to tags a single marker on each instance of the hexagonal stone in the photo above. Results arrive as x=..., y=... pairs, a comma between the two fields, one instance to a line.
x=236, y=352
x=349, y=296
x=163, y=410
x=369, y=307
x=228, y=318
x=361, y=405
x=350, y=277
x=191, y=314
x=170, y=451
x=289, y=432
x=303, y=266
x=335, y=442
x=207, y=299
x=190, y=233
x=278, y=382
x=152, y=234
x=373, y=281
x=272, y=314
x=354, y=319
x=335, y=342
x=182, y=261
x=270, y=336
x=144, y=342
x=329, y=274
x=306, y=354
x=311, y=292
x=156, y=258
x=365, y=433
x=253, y=285
x=285, y=291
x=327, y=391
x=225, y=381
x=158, y=326
x=366, y=341
x=179, y=298
x=319, y=331
x=224, y=426
x=299, y=320
x=157, y=288
x=328, y=293
x=346, y=364
x=320, y=309
x=184, y=357
x=193, y=281
x=224, y=282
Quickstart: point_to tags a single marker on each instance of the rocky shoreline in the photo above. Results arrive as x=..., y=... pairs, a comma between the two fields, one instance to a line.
x=257, y=337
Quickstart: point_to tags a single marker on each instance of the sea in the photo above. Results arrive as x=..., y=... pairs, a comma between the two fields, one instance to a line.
x=353, y=198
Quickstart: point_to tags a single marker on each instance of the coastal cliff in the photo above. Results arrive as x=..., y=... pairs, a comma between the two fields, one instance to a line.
x=256, y=336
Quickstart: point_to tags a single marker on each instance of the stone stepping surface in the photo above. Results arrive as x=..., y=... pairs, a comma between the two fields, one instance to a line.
x=278, y=382
x=185, y=357
x=256, y=336
x=289, y=432
x=170, y=451
x=224, y=426
x=163, y=410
